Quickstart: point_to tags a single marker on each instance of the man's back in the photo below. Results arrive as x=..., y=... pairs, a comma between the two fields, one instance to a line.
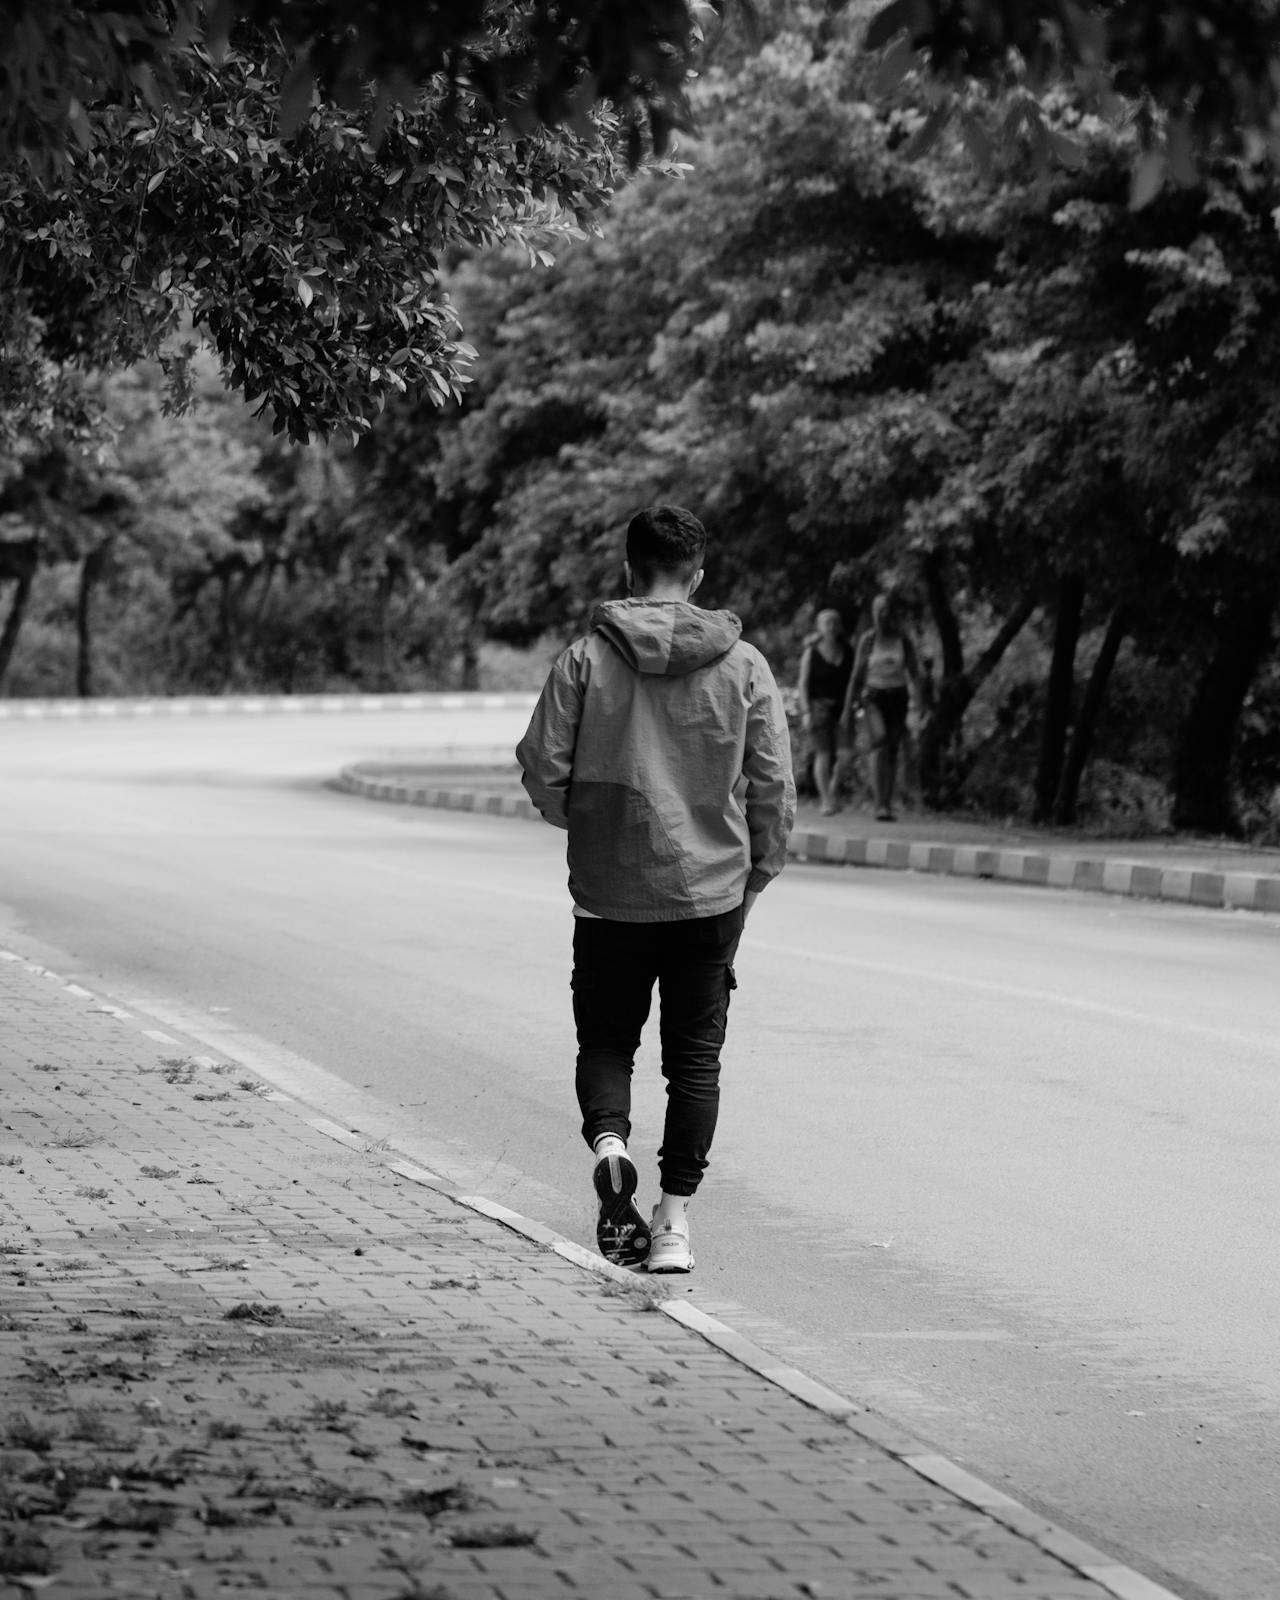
x=661, y=743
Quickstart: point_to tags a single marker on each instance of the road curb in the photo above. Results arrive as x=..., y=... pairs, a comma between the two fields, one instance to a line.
x=227, y=705
x=1138, y=880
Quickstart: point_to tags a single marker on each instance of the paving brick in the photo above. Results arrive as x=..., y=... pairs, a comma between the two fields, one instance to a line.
x=455, y=1406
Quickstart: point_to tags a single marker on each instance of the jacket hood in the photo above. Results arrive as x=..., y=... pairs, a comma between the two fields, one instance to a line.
x=666, y=638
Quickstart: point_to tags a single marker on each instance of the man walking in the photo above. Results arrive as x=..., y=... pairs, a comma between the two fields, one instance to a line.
x=660, y=743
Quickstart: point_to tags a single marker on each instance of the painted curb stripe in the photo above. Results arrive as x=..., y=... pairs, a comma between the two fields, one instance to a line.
x=1234, y=891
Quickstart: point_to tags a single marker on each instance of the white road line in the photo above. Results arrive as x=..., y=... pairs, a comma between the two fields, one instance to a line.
x=1020, y=992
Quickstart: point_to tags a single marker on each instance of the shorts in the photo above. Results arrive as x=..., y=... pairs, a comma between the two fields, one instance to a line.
x=826, y=736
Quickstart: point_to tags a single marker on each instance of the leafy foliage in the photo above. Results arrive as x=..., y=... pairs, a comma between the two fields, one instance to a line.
x=1205, y=70
x=978, y=383
x=311, y=263
x=862, y=354
x=544, y=62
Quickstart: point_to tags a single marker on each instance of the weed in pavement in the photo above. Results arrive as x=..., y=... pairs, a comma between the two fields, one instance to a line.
x=89, y=1423
x=73, y=1139
x=392, y=1403
x=10, y=1161
x=270, y=1315
x=20, y=1433
x=433, y=1502
x=415, y=1591
x=174, y=1069
x=240, y=1516
x=137, y=1516
x=331, y=1415
x=85, y=1192
x=640, y=1296
x=22, y=1554
x=492, y=1536
x=217, y=1264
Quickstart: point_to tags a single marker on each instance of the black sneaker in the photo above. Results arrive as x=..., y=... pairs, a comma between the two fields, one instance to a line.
x=621, y=1232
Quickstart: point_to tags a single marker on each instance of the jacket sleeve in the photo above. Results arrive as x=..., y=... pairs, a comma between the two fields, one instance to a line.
x=770, y=798
x=546, y=752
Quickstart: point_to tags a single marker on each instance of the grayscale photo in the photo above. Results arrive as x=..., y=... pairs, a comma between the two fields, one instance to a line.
x=640, y=800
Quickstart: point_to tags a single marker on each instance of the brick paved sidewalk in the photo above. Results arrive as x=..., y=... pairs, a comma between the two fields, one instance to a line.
x=239, y=1354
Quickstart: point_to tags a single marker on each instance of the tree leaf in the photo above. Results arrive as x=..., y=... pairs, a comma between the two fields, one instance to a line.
x=927, y=136
x=911, y=16
x=1147, y=179
x=1066, y=150
x=895, y=64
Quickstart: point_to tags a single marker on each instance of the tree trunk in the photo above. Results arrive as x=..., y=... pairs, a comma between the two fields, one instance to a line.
x=19, y=559
x=228, y=632
x=469, y=661
x=1059, y=695
x=91, y=569
x=1067, y=801
x=944, y=618
x=955, y=693
x=1202, y=799
x=386, y=590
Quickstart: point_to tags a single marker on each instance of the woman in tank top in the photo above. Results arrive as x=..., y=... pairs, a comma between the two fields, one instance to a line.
x=885, y=672
x=825, y=668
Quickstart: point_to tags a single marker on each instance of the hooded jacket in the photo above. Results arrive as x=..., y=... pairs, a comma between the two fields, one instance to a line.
x=660, y=742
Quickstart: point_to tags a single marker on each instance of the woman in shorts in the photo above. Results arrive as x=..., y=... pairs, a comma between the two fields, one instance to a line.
x=825, y=669
x=885, y=672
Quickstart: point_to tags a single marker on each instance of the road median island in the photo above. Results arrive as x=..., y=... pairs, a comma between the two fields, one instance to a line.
x=243, y=1348
x=1209, y=873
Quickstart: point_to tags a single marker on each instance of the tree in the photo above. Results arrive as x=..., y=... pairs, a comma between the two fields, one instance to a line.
x=1209, y=63
x=310, y=262
x=547, y=62
x=1203, y=72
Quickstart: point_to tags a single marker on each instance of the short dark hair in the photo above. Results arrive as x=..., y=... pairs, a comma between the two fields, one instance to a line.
x=667, y=541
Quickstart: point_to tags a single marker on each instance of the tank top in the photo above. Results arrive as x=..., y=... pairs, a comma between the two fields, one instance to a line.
x=828, y=680
x=887, y=664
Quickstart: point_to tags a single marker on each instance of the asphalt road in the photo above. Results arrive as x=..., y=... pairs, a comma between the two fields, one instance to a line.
x=1001, y=1162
